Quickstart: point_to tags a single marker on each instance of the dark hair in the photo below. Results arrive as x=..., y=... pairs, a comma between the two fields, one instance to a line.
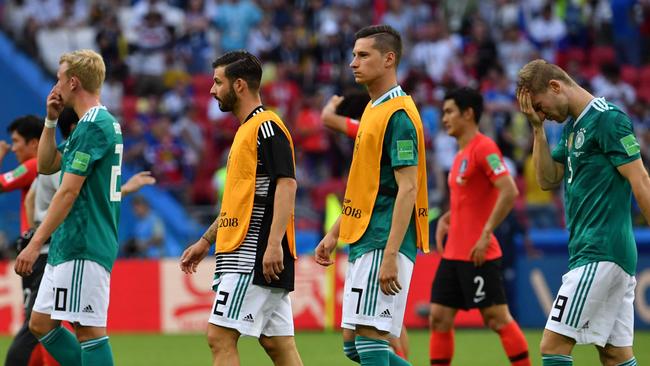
x=67, y=118
x=28, y=127
x=387, y=39
x=241, y=65
x=466, y=98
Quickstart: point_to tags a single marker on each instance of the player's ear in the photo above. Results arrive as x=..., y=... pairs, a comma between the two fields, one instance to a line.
x=554, y=85
x=240, y=85
x=389, y=59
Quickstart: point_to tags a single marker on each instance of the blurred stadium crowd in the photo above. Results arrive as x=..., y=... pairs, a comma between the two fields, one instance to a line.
x=159, y=53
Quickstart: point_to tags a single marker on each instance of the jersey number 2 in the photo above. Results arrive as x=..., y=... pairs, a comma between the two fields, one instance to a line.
x=116, y=171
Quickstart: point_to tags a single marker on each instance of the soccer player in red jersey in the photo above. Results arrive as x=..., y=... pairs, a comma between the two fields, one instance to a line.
x=25, y=132
x=469, y=276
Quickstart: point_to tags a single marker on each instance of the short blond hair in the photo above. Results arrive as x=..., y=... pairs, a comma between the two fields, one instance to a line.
x=88, y=66
x=535, y=76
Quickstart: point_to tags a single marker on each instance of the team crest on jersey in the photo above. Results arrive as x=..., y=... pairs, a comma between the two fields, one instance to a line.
x=461, y=170
x=580, y=138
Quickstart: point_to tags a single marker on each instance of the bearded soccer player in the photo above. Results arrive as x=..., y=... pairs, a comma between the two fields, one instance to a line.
x=385, y=216
x=469, y=276
x=254, y=232
x=598, y=161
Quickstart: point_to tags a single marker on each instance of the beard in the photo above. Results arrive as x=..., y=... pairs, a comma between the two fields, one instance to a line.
x=227, y=103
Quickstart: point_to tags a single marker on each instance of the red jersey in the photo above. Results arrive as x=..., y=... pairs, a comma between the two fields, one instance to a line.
x=20, y=178
x=473, y=196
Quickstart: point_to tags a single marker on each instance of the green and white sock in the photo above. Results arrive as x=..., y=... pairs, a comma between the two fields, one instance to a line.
x=557, y=360
x=372, y=352
x=630, y=362
x=63, y=346
x=396, y=360
x=350, y=351
x=96, y=352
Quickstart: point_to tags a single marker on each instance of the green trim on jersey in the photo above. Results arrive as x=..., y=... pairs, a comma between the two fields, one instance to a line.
x=89, y=231
x=596, y=196
x=399, y=150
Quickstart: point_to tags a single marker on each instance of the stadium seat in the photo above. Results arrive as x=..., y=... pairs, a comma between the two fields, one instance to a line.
x=589, y=71
x=572, y=54
x=602, y=55
x=643, y=93
x=630, y=74
x=201, y=101
x=201, y=84
x=129, y=110
x=644, y=76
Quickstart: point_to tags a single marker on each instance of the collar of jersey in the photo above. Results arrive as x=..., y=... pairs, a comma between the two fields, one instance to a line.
x=592, y=103
x=254, y=112
x=83, y=118
x=390, y=94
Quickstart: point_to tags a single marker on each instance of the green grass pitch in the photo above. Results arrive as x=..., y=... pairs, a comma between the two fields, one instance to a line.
x=473, y=347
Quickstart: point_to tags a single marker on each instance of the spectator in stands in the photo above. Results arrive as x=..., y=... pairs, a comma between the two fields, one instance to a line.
x=45, y=13
x=109, y=39
x=608, y=85
x=74, y=14
x=499, y=96
x=189, y=133
x=435, y=50
x=235, y=19
x=283, y=93
x=165, y=156
x=176, y=100
x=547, y=31
x=148, y=232
x=153, y=39
x=170, y=14
x=193, y=46
x=514, y=51
x=312, y=142
x=398, y=16
x=625, y=27
x=264, y=39
x=479, y=42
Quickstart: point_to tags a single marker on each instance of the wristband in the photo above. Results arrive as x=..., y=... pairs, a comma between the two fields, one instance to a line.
x=50, y=123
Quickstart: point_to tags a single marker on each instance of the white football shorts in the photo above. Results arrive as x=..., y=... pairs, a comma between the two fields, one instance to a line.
x=363, y=301
x=250, y=309
x=76, y=291
x=595, y=305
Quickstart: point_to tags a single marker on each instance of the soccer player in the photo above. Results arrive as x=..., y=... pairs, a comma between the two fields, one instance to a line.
x=25, y=133
x=84, y=212
x=348, y=123
x=385, y=216
x=599, y=163
x=38, y=201
x=254, y=232
x=469, y=276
